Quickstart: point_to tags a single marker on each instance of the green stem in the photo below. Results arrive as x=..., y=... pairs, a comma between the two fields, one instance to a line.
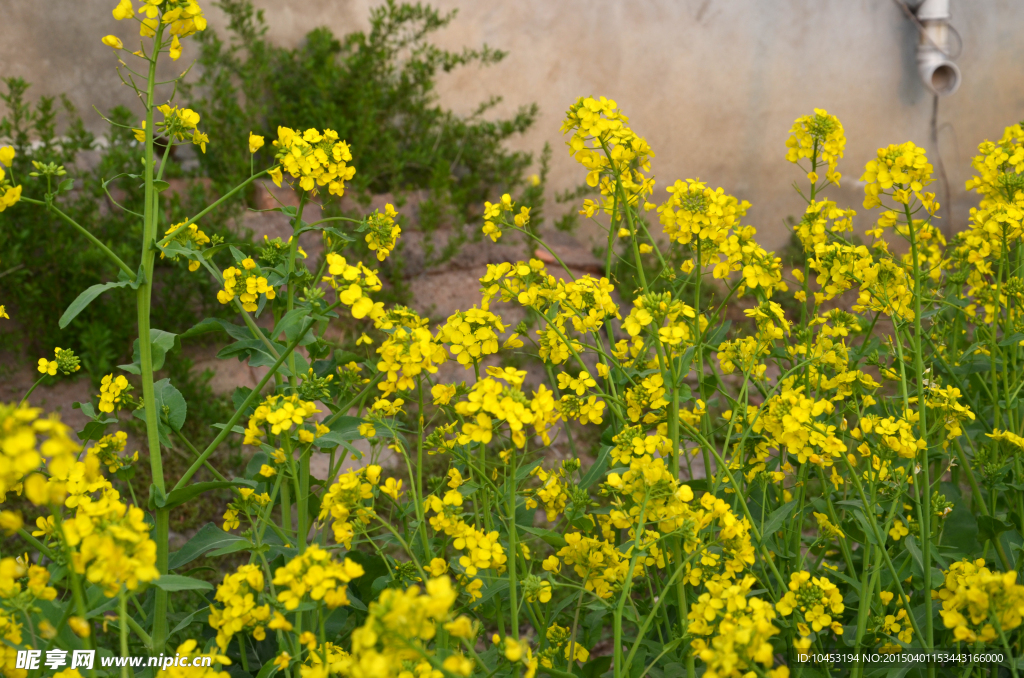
x=926, y=510
x=144, y=301
x=167, y=238
x=249, y=399
x=126, y=670
x=513, y=543
x=89, y=236
x=24, y=398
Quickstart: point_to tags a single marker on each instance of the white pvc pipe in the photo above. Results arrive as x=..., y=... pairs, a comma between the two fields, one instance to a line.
x=937, y=71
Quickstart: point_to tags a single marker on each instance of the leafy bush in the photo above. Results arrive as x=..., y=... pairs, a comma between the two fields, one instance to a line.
x=377, y=91
x=46, y=265
x=843, y=476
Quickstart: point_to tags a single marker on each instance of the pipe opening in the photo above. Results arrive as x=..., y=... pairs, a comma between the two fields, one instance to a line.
x=945, y=79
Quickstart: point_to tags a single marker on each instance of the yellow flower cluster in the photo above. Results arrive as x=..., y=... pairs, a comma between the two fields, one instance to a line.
x=315, y=159
x=246, y=502
x=897, y=624
x=974, y=597
x=313, y=575
x=1000, y=166
x=12, y=570
x=26, y=440
x=902, y=169
x=345, y=502
x=695, y=211
x=280, y=414
x=383, y=232
x=818, y=136
x=816, y=599
x=188, y=668
x=179, y=124
x=823, y=219
x=601, y=566
x=238, y=594
x=10, y=631
x=182, y=17
x=393, y=641
x=741, y=626
x=247, y=284
x=352, y=283
x=471, y=335
x=108, y=451
x=9, y=193
x=490, y=400
x=615, y=157
x=189, y=238
x=493, y=219
x=110, y=543
x=111, y=388
x=409, y=352
x=66, y=362
x=793, y=421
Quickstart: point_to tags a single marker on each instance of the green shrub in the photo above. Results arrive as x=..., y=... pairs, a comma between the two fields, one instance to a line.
x=377, y=90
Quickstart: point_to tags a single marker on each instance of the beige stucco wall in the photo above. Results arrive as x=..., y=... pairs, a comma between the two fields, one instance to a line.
x=713, y=84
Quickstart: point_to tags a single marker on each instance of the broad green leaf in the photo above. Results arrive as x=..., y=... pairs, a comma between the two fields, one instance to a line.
x=184, y=494
x=915, y=553
x=161, y=343
x=96, y=429
x=549, y=537
x=86, y=298
x=208, y=538
x=990, y=528
x=291, y=323
x=171, y=398
x=269, y=669
x=344, y=429
x=598, y=468
x=176, y=582
x=777, y=519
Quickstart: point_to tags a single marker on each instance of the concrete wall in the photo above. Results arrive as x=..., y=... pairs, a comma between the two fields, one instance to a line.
x=714, y=85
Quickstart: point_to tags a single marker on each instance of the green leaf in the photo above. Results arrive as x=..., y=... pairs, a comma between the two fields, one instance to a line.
x=598, y=468
x=187, y=620
x=596, y=667
x=210, y=252
x=869, y=534
x=291, y=323
x=159, y=185
x=549, y=537
x=233, y=548
x=176, y=582
x=183, y=494
x=990, y=528
x=96, y=429
x=161, y=344
x=208, y=538
x=171, y=398
x=344, y=429
x=777, y=519
x=86, y=298
x=212, y=325
x=915, y=553
x=269, y=669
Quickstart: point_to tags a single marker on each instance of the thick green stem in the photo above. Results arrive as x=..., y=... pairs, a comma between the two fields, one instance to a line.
x=144, y=300
x=126, y=670
x=926, y=509
x=513, y=538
